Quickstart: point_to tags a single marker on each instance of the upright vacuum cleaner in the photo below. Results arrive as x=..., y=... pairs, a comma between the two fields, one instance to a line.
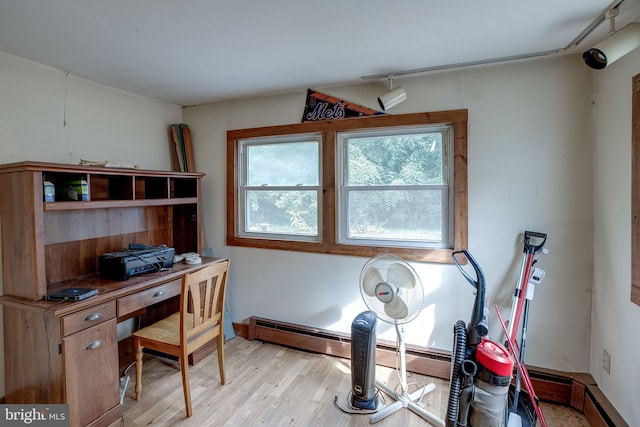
x=481, y=369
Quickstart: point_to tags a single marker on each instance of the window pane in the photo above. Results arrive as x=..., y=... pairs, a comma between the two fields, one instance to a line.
x=414, y=215
x=283, y=164
x=282, y=212
x=395, y=160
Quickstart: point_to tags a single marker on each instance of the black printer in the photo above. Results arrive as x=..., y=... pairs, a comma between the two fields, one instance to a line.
x=126, y=263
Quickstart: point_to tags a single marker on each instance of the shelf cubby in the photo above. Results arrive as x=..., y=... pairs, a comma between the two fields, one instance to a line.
x=46, y=242
x=152, y=188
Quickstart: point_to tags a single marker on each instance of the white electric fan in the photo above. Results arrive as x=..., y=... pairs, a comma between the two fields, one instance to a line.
x=392, y=290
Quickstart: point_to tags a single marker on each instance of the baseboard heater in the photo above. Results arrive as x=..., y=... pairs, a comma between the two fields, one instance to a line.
x=577, y=390
x=422, y=361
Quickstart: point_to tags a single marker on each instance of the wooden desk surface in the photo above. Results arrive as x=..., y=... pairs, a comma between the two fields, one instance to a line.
x=108, y=290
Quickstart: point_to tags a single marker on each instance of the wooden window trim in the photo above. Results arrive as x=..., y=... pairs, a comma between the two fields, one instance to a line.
x=635, y=190
x=329, y=129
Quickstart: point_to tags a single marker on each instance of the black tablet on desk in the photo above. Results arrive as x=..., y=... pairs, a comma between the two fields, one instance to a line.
x=71, y=294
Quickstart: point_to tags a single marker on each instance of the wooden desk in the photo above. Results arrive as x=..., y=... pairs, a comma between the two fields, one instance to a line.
x=68, y=352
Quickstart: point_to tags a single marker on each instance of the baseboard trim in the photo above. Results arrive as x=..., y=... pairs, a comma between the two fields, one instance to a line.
x=575, y=389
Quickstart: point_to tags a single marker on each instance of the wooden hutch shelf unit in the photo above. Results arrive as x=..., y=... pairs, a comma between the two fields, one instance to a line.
x=68, y=352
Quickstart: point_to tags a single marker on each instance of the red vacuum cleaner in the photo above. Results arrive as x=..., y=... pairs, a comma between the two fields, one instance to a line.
x=481, y=369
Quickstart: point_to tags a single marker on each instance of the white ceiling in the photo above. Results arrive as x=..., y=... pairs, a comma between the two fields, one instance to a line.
x=192, y=52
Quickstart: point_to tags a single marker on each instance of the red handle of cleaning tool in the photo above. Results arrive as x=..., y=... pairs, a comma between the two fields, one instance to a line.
x=524, y=373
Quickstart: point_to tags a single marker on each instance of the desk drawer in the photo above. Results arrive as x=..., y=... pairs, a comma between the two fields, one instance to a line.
x=142, y=299
x=88, y=317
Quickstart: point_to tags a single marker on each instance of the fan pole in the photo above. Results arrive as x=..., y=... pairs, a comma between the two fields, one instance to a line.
x=403, y=359
x=405, y=400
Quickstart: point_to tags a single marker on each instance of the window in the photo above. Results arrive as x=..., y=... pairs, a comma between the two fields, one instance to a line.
x=383, y=184
x=394, y=187
x=280, y=188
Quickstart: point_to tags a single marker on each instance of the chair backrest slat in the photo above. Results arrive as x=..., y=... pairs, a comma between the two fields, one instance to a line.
x=209, y=303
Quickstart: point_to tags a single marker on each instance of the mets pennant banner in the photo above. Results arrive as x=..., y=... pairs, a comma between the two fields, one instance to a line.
x=320, y=106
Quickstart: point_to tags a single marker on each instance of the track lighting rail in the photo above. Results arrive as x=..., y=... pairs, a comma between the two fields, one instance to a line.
x=604, y=15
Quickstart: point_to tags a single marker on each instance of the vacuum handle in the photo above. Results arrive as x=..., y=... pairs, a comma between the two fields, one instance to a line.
x=529, y=247
x=476, y=267
x=478, y=326
x=482, y=324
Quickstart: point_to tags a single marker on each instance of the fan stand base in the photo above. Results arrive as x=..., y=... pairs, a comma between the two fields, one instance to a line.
x=406, y=401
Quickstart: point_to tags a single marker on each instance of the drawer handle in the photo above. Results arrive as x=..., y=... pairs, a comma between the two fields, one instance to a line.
x=158, y=294
x=93, y=344
x=92, y=317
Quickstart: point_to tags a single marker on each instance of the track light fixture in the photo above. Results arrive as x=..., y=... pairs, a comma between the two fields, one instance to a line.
x=392, y=97
x=614, y=47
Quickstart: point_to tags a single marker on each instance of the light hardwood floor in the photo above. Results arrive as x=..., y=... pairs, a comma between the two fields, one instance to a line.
x=269, y=385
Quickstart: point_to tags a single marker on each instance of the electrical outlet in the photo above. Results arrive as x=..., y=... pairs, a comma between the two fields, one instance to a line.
x=606, y=361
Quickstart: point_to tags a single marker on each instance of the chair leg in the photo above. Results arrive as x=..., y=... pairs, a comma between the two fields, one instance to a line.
x=221, y=358
x=184, y=369
x=138, y=348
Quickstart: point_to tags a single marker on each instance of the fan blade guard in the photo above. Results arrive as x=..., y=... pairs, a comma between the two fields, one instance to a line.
x=391, y=289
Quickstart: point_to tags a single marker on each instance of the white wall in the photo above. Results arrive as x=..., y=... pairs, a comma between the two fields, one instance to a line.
x=530, y=168
x=46, y=115
x=615, y=318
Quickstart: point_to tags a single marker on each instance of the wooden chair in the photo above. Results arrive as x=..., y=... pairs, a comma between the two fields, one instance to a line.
x=199, y=321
